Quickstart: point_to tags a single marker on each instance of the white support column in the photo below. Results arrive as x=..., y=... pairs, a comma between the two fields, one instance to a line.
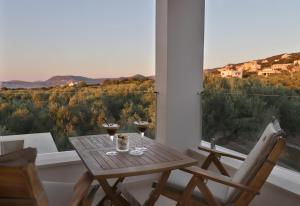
x=179, y=66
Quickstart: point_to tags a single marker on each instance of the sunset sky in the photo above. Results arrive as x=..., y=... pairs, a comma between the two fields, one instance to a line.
x=242, y=30
x=112, y=38
x=93, y=38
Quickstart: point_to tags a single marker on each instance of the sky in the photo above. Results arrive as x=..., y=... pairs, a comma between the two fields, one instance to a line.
x=242, y=30
x=93, y=38
x=112, y=38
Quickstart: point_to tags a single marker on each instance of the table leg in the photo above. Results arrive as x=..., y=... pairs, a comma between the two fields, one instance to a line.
x=158, y=190
x=114, y=187
x=111, y=194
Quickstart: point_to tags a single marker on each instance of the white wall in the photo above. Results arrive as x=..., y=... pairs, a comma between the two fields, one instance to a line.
x=179, y=66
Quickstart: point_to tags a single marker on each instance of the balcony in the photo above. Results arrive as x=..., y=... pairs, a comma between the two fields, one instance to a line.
x=54, y=166
x=177, y=119
x=282, y=186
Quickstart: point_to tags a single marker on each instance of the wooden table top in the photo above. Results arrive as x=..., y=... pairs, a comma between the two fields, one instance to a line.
x=158, y=158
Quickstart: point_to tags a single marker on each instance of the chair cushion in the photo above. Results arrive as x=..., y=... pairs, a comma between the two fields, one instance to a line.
x=255, y=159
x=11, y=146
x=58, y=193
x=178, y=180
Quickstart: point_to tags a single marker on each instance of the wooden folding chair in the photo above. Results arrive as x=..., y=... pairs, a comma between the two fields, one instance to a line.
x=21, y=186
x=239, y=190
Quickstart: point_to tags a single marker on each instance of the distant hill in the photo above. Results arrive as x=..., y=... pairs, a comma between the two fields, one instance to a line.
x=21, y=84
x=63, y=80
x=289, y=61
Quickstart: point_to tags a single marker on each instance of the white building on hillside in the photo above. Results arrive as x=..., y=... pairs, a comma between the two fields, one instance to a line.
x=251, y=66
x=281, y=66
x=297, y=62
x=267, y=71
x=226, y=73
x=72, y=84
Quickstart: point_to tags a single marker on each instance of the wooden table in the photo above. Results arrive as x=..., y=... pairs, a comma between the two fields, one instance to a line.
x=158, y=158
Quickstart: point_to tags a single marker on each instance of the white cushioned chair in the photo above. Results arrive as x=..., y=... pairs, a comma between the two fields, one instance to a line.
x=220, y=189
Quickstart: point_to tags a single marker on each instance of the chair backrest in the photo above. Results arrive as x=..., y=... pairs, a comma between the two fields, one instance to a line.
x=19, y=181
x=258, y=164
x=11, y=146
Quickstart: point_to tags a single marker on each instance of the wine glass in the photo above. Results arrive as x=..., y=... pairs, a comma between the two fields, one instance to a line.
x=111, y=130
x=142, y=127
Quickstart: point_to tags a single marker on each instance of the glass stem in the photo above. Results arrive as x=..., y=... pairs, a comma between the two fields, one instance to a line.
x=142, y=139
x=111, y=137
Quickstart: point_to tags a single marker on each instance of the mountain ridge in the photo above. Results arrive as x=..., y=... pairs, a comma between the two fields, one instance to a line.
x=61, y=80
x=274, y=64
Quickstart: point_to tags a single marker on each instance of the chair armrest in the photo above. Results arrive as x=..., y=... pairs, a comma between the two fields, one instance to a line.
x=206, y=149
x=206, y=174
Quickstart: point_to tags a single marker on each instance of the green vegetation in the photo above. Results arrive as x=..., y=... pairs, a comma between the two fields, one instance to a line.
x=79, y=110
x=235, y=111
x=237, y=107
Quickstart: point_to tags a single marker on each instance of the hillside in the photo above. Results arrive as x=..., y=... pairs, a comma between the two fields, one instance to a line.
x=62, y=81
x=278, y=64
